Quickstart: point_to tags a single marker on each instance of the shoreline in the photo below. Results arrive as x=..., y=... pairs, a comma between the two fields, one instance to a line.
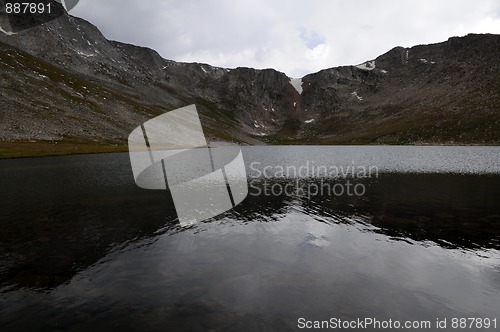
x=23, y=149
x=15, y=150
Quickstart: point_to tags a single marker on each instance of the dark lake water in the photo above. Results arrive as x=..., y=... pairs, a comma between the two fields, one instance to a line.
x=83, y=248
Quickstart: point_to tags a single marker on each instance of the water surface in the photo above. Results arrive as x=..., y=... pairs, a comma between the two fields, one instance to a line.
x=82, y=247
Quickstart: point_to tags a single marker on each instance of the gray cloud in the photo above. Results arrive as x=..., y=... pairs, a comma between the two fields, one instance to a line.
x=295, y=37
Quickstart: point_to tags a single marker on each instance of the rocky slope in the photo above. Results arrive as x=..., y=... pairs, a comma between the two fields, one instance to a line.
x=65, y=82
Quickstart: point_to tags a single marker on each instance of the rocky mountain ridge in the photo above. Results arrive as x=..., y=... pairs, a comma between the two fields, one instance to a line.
x=65, y=82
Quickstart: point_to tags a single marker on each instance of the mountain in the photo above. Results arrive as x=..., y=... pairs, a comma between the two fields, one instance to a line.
x=63, y=82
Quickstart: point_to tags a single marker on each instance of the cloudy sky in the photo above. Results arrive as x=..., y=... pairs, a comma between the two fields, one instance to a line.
x=295, y=37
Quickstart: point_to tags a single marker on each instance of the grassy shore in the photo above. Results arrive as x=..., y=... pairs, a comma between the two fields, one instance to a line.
x=43, y=149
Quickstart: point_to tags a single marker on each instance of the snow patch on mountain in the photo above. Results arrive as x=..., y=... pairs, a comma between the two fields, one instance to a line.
x=297, y=84
x=368, y=65
x=87, y=55
x=355, y=94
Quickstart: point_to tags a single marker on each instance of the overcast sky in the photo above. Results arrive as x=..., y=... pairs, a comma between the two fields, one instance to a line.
x=295, y=37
